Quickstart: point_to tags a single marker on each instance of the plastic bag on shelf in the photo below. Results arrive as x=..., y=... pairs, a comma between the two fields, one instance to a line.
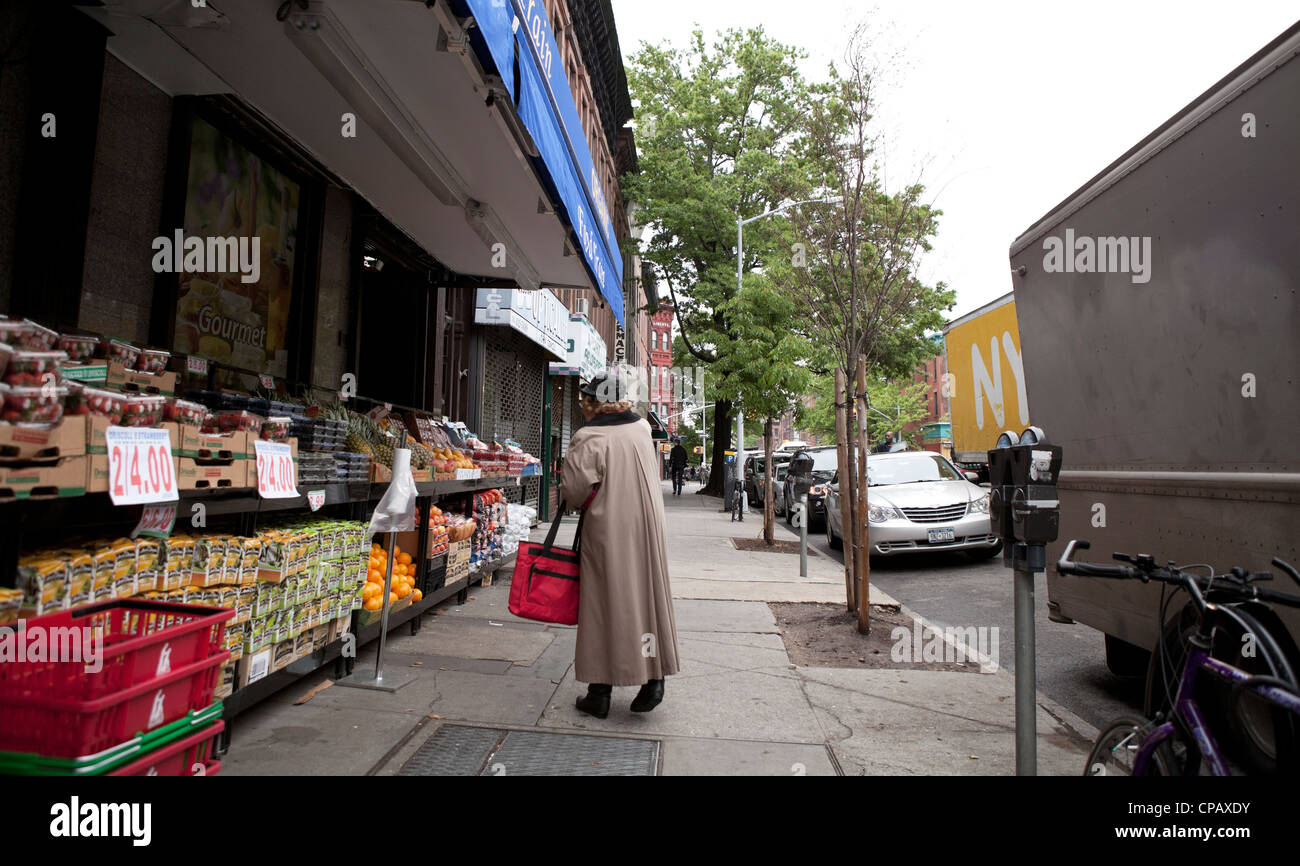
x=396, y=511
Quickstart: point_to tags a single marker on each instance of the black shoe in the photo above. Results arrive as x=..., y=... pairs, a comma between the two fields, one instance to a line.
x=650, y=696
x=596, y=701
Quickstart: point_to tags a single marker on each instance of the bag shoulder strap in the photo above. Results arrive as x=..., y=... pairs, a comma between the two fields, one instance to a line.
x=559, y=515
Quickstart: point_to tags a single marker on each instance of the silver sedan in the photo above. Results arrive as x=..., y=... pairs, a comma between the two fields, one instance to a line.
x=917, y=502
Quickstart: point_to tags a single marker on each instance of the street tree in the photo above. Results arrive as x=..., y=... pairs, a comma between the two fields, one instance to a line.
x=720, y=130
x=853, y=266
x=766, y=371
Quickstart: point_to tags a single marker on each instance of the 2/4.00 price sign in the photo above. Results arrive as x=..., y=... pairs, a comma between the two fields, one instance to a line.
x=140, y=466
x=276, y=475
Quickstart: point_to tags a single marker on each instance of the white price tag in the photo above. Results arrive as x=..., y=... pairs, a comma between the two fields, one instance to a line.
x=197, y=365
x=156, y=521
x=140, y=466
x=276, y=475
x=315, y=498
x=267, y=382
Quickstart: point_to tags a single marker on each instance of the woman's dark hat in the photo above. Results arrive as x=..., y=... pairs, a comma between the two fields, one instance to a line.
x=605, y=388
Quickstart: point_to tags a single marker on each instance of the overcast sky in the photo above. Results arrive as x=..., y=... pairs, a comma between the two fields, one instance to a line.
x=1008, y=107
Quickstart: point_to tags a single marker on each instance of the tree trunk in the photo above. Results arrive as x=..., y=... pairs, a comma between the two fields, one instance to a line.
x=843, y=450
x=721, y=439
x=864, y=556
x=767, y=482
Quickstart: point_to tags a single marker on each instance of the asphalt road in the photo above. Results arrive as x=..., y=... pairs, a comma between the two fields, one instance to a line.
x=951, y=590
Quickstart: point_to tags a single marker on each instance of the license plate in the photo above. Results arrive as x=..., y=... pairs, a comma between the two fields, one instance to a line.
x=940, y=535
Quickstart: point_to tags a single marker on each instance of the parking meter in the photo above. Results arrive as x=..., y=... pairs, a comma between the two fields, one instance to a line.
x=1024, y=511
x=1035, y=505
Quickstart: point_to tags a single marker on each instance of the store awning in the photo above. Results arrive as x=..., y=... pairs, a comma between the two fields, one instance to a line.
x=520, y=43
x=658, y=429
x=429, y=150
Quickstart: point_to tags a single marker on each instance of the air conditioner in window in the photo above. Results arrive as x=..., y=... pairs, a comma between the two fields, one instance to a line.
x=583, y=307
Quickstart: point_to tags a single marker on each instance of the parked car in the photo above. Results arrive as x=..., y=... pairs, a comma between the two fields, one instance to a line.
x=755, y=472
x=918, y=501
x=778, y=478
x=809, y=471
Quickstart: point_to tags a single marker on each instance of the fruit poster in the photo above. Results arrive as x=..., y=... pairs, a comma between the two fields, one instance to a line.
x=238, y=242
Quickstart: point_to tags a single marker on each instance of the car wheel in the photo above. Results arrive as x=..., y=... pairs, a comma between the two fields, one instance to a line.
x=834, y=542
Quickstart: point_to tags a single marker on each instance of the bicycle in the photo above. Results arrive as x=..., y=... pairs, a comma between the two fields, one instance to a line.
x=1184, y=743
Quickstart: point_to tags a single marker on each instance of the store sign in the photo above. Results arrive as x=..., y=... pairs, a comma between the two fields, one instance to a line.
x=276, y=476
x=521, y=42
x=539, y=316
x=140, y=466
x=620, y=347
x=586, y=355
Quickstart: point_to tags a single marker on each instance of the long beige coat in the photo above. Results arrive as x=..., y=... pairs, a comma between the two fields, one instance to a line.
x=626, y=633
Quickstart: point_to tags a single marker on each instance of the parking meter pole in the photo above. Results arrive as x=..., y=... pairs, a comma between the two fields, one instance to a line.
x=803, y=535
x=740, y=455
x=1026, y=673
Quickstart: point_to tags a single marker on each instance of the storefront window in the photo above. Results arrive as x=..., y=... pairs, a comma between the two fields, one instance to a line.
x=240, y=234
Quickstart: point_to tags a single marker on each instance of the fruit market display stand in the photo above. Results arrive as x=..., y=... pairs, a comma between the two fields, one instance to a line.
x=98, y=508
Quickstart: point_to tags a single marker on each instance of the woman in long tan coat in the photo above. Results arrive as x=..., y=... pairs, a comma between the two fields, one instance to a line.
x=626, y=633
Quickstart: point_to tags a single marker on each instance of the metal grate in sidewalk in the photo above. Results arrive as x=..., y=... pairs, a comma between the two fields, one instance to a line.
x=458, y=750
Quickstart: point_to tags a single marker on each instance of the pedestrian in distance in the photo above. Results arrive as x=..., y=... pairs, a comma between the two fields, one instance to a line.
x=886, y=445
x=626, y=632
x=677, y=461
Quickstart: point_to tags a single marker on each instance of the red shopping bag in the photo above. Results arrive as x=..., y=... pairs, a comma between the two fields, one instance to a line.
x=545, y=584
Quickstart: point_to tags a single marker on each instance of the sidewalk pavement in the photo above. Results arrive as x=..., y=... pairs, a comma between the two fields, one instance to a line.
x=738, y=706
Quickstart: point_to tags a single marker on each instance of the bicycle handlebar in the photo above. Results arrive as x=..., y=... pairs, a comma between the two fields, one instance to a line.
x=1147, y=571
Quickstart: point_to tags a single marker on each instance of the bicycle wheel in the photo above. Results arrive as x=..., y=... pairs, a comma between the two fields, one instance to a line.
x=1117, y=746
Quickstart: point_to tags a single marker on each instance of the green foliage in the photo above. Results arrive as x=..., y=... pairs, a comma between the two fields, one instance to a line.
x=903, y=400
x=719, y=128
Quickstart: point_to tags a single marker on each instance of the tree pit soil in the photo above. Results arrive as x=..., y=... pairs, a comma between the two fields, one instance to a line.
x=826, y=636
x=758, y=545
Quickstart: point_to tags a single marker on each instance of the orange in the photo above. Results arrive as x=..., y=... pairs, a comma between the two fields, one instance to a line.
x=372, y=604
x=392, y=598
x=374, y=575
x=404, y=558
x=403, y=591
x=417, y=596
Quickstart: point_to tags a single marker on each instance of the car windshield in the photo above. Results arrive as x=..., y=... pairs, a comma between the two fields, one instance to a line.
x=912, y=469
x=824, y=461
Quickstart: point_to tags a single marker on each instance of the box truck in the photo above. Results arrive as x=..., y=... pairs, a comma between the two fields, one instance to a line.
x=1159, y=318
x=986, y=381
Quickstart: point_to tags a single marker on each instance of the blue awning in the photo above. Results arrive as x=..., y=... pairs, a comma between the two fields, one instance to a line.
x=521, y=44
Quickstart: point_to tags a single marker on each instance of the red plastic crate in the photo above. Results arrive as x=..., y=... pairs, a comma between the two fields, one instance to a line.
x=142, y=640
x=69, y=727
x=178, y=758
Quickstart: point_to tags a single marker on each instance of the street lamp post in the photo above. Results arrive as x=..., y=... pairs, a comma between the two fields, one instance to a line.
x=740, y=266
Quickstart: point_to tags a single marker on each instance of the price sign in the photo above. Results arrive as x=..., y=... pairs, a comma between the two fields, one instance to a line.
x=267, y=382
x=276, y=476
x=156, y=522
x=197, y=365
x=315, y=498
x=140, y=466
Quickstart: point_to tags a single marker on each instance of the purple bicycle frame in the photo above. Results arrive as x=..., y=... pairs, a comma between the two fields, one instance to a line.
x=1200, y=662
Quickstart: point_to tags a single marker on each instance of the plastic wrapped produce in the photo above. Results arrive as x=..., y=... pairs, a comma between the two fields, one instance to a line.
x=143, y=411
x=152, y=361
x=185, y=412
x=80, y=348
x=24, y=404
x=231, y=420
x=276, y=429
x=120, y=351
x=105, y=403
x=31, y=368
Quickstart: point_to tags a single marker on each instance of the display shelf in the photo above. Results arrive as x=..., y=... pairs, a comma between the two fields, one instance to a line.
x=242, y=699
